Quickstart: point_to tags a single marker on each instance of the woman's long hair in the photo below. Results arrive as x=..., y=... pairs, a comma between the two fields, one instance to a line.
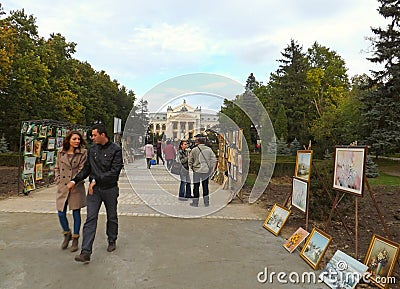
x=68, y=138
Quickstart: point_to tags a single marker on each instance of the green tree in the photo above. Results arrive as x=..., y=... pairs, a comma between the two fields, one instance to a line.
x=287, y=87
x=281, y=124
x=381, y=105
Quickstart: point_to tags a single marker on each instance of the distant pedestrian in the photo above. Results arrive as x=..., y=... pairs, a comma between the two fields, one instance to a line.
x=149, y=153
x=169, y=153
x=202, y=161
x=159, y=152
x=103, y=166
x=184, y=187
x=71, y=158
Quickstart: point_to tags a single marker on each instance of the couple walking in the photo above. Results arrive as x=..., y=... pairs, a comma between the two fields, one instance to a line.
x=102, y=164
x=201, y=160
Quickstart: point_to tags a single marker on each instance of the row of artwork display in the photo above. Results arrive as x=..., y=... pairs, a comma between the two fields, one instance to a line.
x=41, y=139
x=377, y=267
x=230, y=155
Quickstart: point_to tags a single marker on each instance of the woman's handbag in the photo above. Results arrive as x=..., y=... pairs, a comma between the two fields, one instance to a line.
x=176, y=167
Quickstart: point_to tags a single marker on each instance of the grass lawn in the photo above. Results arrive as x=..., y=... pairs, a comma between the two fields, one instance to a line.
x=385, y=180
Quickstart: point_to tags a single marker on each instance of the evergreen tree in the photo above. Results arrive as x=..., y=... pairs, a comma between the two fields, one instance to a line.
x=371, y=168
x=281, y=123
x=3, y=145
x=282, y=147
x=287, y=86
x=295, y=146
x=251, y=82
x=381, y=106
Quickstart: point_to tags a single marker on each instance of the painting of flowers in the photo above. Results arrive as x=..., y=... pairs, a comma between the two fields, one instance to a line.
x=348, y=175
x=295, y=240
x=381, y=259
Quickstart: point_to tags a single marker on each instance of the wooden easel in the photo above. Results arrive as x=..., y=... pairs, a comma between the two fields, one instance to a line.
x=336, y=202
x=289, y=197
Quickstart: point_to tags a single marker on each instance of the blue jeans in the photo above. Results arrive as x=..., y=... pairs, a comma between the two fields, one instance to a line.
x=76, y=214
x=185, y=190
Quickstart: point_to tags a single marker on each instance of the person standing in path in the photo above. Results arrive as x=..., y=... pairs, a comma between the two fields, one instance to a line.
x=202, y=162
x=184, y=187
x=169, y=153
x=103, y=166
x=149, y=153
x=70, y=160
x=159, y=152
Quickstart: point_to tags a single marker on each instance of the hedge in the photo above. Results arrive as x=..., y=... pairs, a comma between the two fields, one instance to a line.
x=9, y=159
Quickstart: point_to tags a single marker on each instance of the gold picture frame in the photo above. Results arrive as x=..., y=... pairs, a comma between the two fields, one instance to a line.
x=303, y=165
x=381, y=259
x=315, y=247
x=276, y=219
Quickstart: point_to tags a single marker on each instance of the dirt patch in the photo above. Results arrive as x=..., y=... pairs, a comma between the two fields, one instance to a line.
x=9, y=182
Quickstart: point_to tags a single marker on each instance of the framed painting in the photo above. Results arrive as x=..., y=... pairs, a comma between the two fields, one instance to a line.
x=342, y=271
x=381, y=259
x=28, y=145
x=300, y=194
x=29, y=183
x=315, y=247
x=42, y=131
x=51, y=143
x=50, y=158
x=39, y=171
x=276, y=219
x=59, y=142
x=29, y=165
x=295, y=240
x=303, y=165
x=37, y=148
x=348, y=173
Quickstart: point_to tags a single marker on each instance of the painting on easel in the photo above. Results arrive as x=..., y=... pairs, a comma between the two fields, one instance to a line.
x=303, y=164
x=348, y=175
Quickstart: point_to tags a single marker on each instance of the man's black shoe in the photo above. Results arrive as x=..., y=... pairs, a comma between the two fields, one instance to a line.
x=111, y=246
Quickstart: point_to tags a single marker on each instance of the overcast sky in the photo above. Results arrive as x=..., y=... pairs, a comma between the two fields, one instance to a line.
x=143, y=43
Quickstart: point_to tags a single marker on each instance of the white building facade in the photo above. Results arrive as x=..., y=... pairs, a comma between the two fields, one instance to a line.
x=181, y=122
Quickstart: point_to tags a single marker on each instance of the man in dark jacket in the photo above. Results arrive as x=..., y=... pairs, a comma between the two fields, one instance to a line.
x=103, y=166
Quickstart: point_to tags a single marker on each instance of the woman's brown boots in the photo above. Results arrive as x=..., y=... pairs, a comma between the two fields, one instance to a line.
x=67, y=238
x=74, y=246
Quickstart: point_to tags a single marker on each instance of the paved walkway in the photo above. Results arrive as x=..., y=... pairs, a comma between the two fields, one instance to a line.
x=227, y=248
x=147, y=193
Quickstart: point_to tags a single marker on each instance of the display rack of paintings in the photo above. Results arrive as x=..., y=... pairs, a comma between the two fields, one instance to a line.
x=231, y=150
x=40, y=140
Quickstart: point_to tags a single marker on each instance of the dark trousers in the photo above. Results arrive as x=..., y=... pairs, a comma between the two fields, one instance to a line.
x=110, y=199
x=148, y=162
x=203, y=178
x=159, y=156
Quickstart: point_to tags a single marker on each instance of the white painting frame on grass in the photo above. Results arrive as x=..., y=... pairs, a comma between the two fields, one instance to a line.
x=348, y=173
x=300, y=194
x=276, y=219
x=342, y=271
x=303, y=164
